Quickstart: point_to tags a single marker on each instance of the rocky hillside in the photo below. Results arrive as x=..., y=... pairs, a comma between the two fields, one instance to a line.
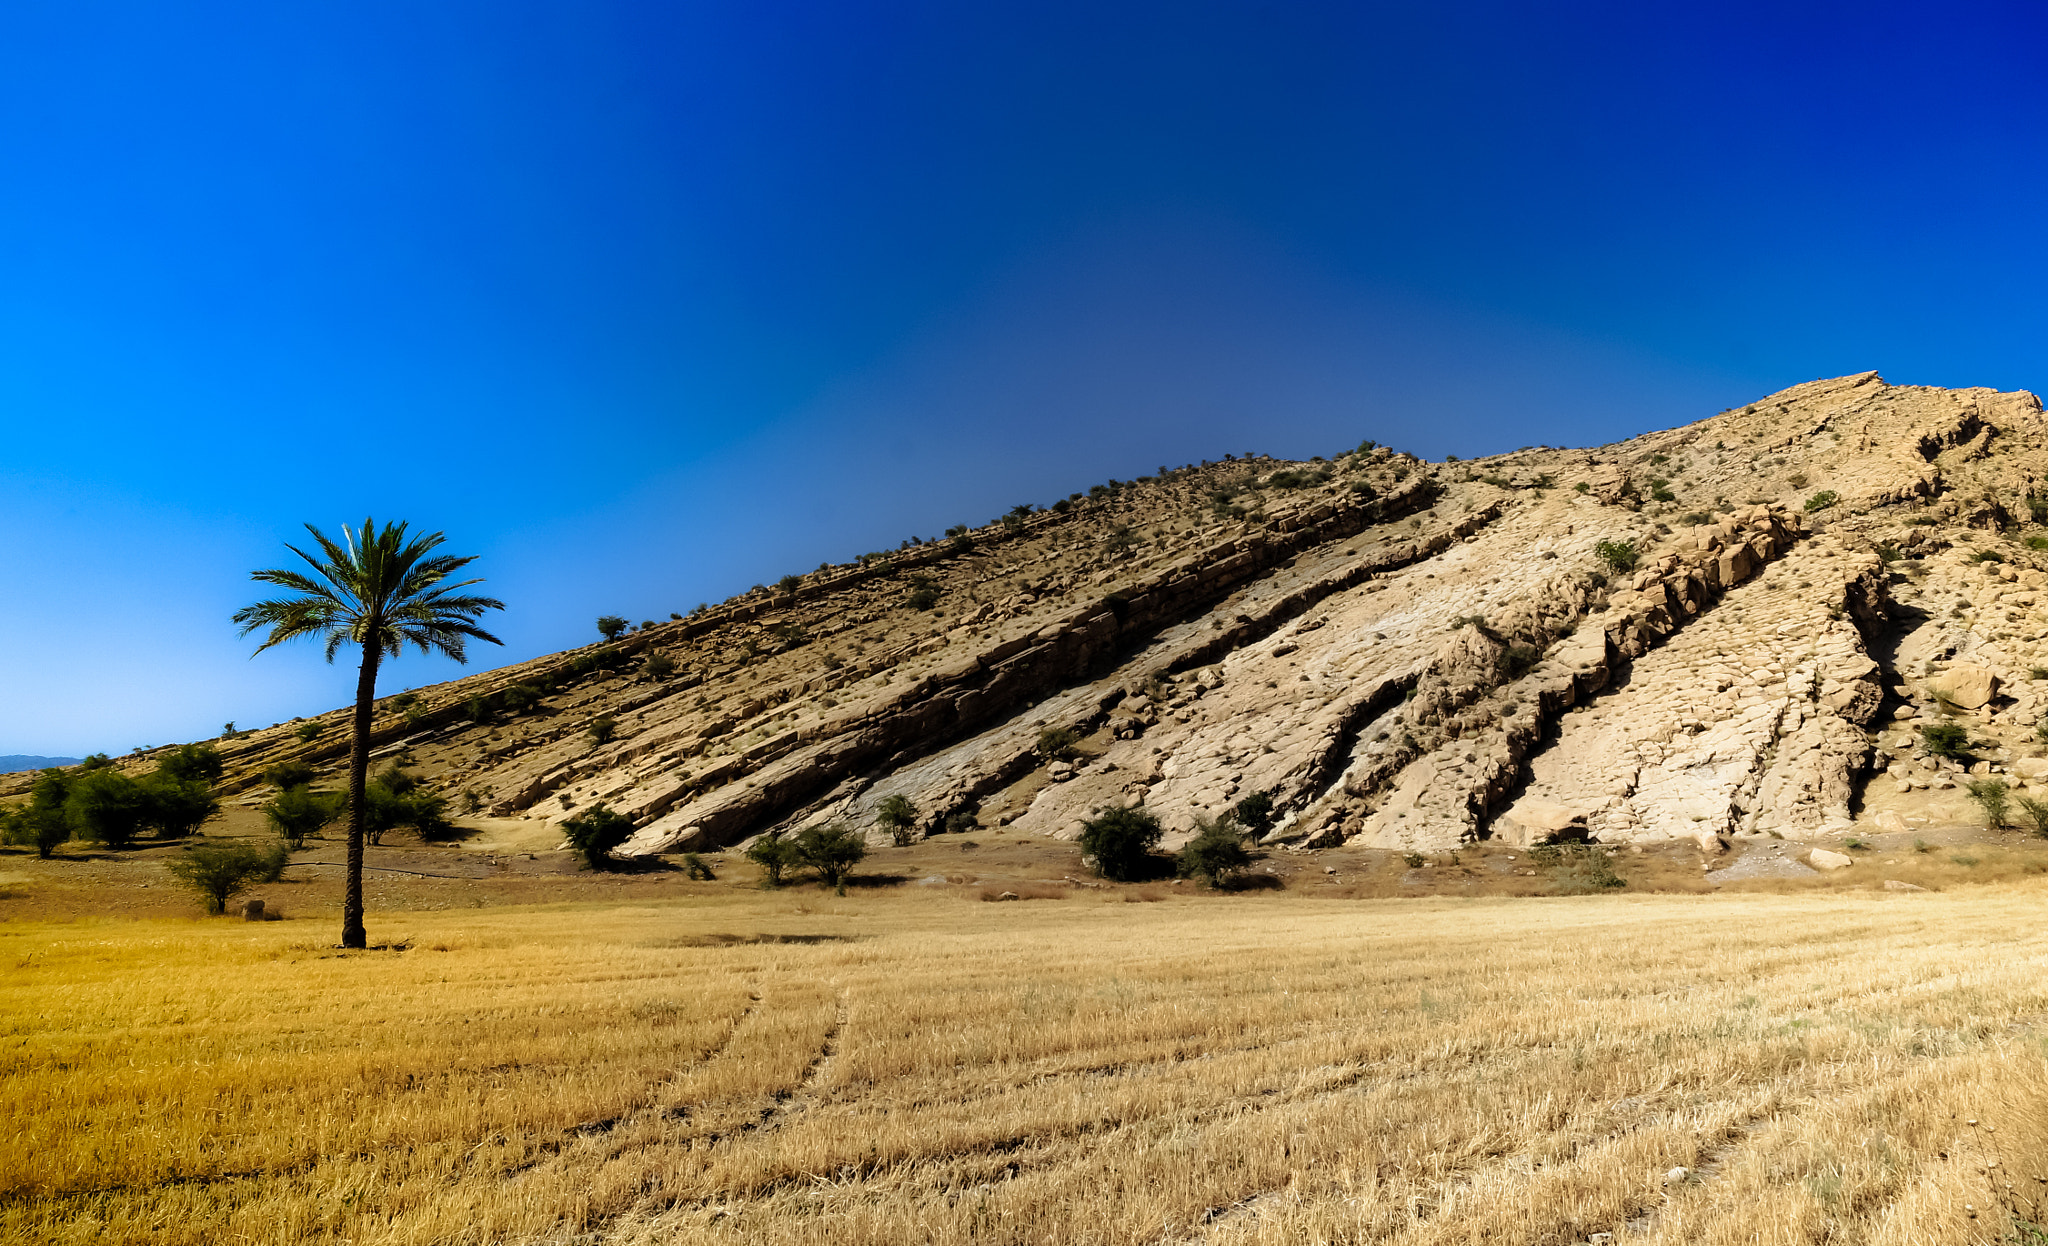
x=1731, y=628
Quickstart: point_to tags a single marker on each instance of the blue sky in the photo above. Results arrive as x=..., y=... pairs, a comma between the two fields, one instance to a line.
x=647, y=303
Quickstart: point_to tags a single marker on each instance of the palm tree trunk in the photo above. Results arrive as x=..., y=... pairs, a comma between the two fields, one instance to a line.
x=352, y=932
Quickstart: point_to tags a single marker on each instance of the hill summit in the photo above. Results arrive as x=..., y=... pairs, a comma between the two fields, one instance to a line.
x=1733, y=628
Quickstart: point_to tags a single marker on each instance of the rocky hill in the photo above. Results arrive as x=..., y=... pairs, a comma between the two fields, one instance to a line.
x=1732, y=628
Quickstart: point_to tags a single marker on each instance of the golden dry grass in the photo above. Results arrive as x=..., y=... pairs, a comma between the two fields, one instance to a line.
x=770, y=1068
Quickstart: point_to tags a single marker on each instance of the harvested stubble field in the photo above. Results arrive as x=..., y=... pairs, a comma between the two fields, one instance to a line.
x=889, y=1068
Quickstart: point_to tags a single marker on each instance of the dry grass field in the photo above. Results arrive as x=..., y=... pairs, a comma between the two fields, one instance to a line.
x=913, y=1066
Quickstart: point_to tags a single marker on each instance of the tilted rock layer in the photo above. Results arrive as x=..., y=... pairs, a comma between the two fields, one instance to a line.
x=1735, y=627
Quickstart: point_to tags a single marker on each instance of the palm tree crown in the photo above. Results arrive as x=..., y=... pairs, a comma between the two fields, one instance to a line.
x=377, y=590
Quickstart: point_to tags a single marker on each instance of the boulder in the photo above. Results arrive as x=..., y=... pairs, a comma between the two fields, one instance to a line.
x=1967, y=684
x=2032, y=769
x=1893, y=884
x=1890, y=819
x=1822, y=859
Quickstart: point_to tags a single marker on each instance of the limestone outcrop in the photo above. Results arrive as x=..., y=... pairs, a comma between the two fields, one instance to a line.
x=1737, y=627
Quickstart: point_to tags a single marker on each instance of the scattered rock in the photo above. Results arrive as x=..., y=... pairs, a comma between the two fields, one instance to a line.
x=1822, y=859
x=1893, y=884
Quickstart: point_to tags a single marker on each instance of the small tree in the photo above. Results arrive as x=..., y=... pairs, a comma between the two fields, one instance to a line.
x=1255, y=813
x=299, y=812
x=193, y=761
x=221, y=871
x=595, y=832
x=96, y=761
x=107, y=807
x=44, y=823
x=2035, y=811
x=900, y=816
x=773, y=854
x=1216, y=852
x=1994, y=798
x=832, y=850
x=610, y=626
x=177, y=807
x=1121, y=840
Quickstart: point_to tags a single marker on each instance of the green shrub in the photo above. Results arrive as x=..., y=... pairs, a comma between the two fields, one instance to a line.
x=1121, y=841
x=960, y=821
x=1987, y=555
x=309, y=732
x=789, y=584
x=299, y=812
x=698, y=872
x=1255, y=813
x=1949, y=740
x=2035, y=811
x=1578, y=869
x=595, y=832
x=44, y=822
x=288, y=774
x=1057, y=742
x=1822, y=500
x=193, y=761
x=1620, y=556
x=520, y=698
x=924, y=593
x=1216, y=853
x=107, y=807
x=221, y=871
x=177, y=807
x=1994, y=798
x=832, y=850
x=602, y=729
x=610, y=626
x=774, y=855
x=1581, y=487
x=897, y=813
x=658, y=666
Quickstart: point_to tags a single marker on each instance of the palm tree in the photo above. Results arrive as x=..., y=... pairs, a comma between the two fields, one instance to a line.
x=379, y=591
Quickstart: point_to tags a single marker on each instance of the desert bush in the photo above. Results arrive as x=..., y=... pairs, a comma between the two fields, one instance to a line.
x=602, y=729
x=658, y=666
x=288, y=774
x=1255, y=813
x=176, y=807
x=696, y=870
x=610, y=626
x=1620, y=556
x=1122, y=841
x=520, y=698
x=1994, y=798
x=44, y=822
x=107, y=807
x=309, y=732
x=299, y=812
x=774, y=855
x=1987, y=555
x=193, y=761
x=1578, y=869
x=789, y=584
x=1822, y=500
x=832, y=850
x=899, y=815
x=1057, y=742
x=1949, y=740
x=1215, y=853
x=959, y=822
x=924, y=593
x=2035, y=811
x=221, y=871
x=595, y=832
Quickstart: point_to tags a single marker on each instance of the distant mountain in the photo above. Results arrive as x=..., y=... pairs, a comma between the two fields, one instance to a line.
x=18, y=761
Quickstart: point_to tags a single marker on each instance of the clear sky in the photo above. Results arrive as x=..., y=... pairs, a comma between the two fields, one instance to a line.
x=647, y=303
